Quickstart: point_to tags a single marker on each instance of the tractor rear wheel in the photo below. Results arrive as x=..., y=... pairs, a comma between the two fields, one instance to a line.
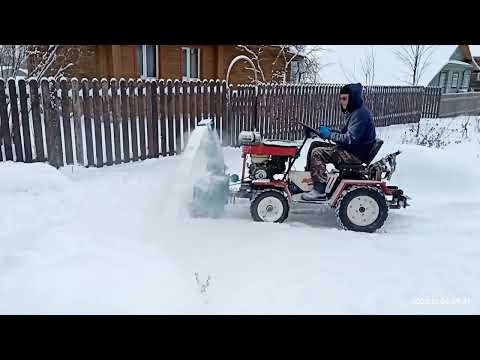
x=362, y=209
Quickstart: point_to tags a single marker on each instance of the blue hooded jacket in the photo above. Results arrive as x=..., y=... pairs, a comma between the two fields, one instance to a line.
x=358, y=135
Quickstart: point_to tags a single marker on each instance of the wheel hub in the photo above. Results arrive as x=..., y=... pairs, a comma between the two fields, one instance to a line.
x=270, y=209
x=363, y=210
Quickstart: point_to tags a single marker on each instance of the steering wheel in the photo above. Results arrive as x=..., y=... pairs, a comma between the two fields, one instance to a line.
x=308, y=130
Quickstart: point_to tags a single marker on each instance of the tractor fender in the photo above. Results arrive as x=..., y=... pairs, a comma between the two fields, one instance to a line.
x=346, y=184
x=273, y=184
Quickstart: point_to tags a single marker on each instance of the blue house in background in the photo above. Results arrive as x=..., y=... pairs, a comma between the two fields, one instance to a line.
x=455, y=75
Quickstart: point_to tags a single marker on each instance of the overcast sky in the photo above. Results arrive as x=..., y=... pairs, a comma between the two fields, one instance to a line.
x=388, y=69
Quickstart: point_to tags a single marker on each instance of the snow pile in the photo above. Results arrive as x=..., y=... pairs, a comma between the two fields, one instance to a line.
x=437, y=133
x=89, y=241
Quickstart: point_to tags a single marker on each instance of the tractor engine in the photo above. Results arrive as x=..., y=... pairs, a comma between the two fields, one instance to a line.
x=266, y=166
x=266, y=160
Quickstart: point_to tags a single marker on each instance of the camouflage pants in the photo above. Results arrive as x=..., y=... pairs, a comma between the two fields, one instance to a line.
x=321, y=156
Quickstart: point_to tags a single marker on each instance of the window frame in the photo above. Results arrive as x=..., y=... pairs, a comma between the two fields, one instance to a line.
x=144, y=75
x=188, y=78
x=443, y=84
x=466, y=78
x=456, y=83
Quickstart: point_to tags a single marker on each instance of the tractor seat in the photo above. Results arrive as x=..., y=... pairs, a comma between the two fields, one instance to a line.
x=350, y=166
x=373, y=152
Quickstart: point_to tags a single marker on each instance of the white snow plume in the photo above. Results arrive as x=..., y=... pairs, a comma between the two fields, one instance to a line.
x=191, y=171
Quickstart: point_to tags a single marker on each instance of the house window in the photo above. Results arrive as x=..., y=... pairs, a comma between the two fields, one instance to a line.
x=147, y=61
x=478, y=76
x=455, y=80
x=443, y=80
x=190, y=63
x=466, y=79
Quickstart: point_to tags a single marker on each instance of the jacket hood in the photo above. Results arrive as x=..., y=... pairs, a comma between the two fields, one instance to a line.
x=355, y=100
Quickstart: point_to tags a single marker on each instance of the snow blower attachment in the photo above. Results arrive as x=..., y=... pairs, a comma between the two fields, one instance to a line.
x=211, y=189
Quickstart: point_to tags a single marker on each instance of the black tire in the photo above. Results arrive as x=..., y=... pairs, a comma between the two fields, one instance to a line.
x=266, y=194
x=355, y=193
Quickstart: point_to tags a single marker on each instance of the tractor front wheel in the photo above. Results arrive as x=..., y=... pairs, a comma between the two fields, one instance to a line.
x=269, y=206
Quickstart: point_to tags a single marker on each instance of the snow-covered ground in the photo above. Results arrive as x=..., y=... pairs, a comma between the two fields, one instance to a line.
x=110, y=241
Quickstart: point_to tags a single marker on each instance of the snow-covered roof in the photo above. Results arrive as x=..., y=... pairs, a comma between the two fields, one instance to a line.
x=476, y=63
x=459, y=63
x=451, y=61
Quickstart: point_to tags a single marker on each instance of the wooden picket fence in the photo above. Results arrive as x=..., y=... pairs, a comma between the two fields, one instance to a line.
x=97, y=123
x=467, y=103
x=431, y=103
x=276, y=108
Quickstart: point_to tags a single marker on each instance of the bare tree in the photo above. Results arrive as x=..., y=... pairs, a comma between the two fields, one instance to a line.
x=416, y=59
x=365, y=72
x=255, y=54
x=55, y=60
x=350, y=76
x=12, y=60
x=367, y=65
x=310, y=65
x=44, y=60
x=284, y=57
x=312, y=72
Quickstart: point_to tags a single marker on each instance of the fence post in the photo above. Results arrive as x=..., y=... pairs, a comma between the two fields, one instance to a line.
x=116, y=120
x=106, y=121
x=186, y=111
x=162, y=110
x=133, y=119
x=124, y=114
x=17, y=140
x=97, y=121
x=25, y=120
x=87, y=121
x=4, y=125
x=154, y=120
x=421, y=97
x=177, y=104
x=439, y=97
x=51, y=120
x=226, y=140
x=193, y=106
x=67, y=133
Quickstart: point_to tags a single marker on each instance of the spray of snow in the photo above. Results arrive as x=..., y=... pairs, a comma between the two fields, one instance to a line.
x=191, y=170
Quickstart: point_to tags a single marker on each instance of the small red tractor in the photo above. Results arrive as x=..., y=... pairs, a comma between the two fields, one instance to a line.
x=358, y=193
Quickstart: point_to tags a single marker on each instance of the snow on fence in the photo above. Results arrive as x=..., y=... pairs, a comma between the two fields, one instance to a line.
x=97, y=123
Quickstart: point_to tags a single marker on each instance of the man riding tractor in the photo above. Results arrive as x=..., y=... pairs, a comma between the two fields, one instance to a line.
x=353, y=142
